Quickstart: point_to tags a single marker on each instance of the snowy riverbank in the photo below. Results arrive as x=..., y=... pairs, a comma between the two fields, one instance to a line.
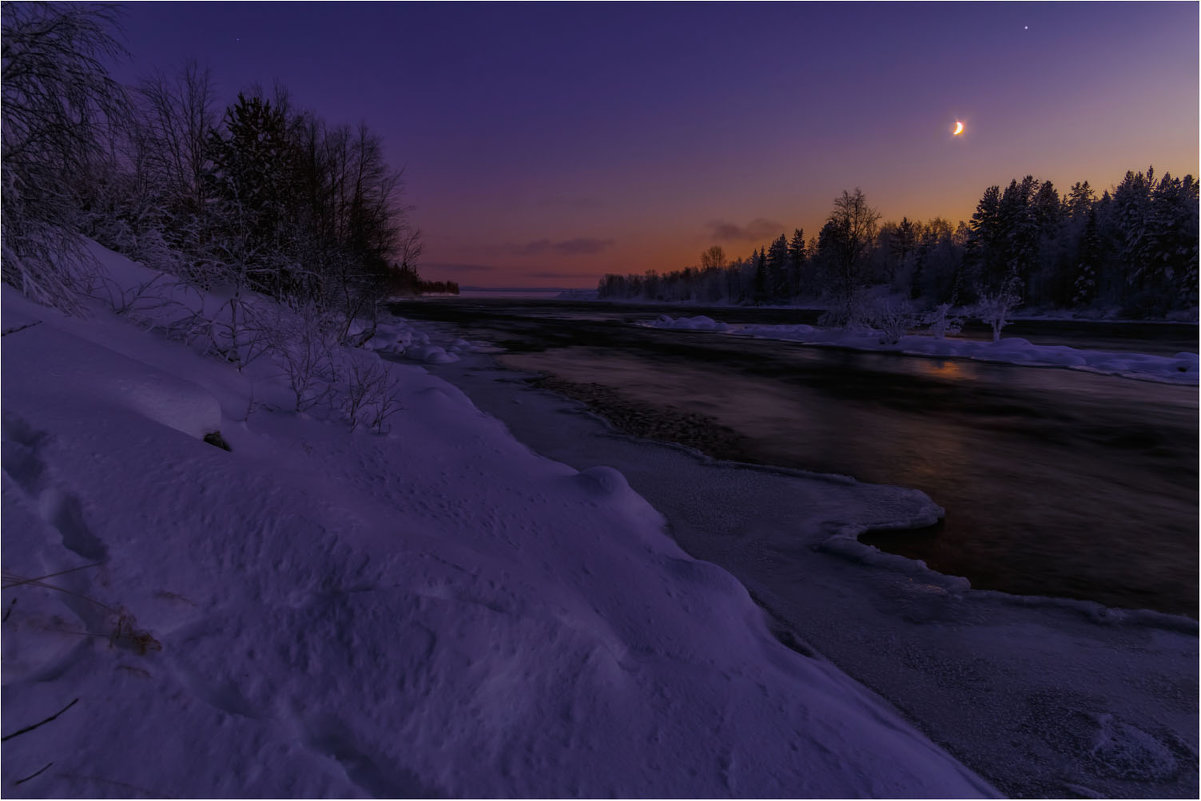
x=324, y=612
x=1078, y=698
x=1178, y=369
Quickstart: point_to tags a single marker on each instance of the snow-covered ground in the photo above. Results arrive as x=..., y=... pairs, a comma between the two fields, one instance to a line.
x=1178, y=369
x=1046, y=697
x=433, y=611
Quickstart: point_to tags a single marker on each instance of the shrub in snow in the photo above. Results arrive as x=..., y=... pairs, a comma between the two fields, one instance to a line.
x=855, y=312
x=892, y=317
x=941, y=322
x=243, y=329
x=122, y=626
x=144, y=296
x=303, y=341
x=302, y=346
x=370, y=393
x=839, y=315
x=994, y=308
x=321, y=372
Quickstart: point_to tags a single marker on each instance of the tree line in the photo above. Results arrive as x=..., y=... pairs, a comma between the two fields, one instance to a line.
x=1133, y=249
x=258, y=197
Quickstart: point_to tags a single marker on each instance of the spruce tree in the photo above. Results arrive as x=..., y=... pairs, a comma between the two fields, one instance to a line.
x=1079, y=201
x=250, y=176
x=760, y=288
x=797, y=254
x=1085, y=287
x=777, y=269
x=1020, y=231
x=985, y=249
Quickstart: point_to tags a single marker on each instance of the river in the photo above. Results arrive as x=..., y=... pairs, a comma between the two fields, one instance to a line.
x=1054, y=482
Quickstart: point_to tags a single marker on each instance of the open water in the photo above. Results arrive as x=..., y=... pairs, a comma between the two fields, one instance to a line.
x=1055, y=482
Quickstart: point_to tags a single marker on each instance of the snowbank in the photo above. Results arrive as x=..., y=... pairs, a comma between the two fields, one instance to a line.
x=321, y=612
x=1182, y=368
x=697, y=323
x=397, y=337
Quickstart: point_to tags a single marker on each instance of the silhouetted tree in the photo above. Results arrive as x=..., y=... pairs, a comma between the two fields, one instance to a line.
x=713, y=258
x=848, y=234
x=798, y=254
x=1085, y=285
x=1026, y=244
x=778, y=288
x=760, y=276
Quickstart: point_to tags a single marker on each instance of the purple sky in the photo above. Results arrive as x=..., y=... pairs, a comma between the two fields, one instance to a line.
x=545, y=144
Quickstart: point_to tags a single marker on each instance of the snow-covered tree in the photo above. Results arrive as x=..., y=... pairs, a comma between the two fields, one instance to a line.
x=892, y=317
x=995, y=306
x=1132, y=207
x=1171, y=239
x=58, y=105
x=941, y=321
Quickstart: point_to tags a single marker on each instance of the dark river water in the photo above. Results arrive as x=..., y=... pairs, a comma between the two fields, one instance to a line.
x=1055, y=482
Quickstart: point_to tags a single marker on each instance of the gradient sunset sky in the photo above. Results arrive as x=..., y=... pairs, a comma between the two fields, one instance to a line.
x=545, y=144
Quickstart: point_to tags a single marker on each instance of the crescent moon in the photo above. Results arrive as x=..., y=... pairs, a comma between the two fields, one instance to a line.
x=958, y=128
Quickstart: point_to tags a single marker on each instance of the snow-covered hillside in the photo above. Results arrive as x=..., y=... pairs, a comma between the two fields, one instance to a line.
x=326, y=612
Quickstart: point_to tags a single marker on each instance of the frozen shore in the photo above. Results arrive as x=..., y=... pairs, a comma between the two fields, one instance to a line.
x=1178, y=369
x=1043, y=696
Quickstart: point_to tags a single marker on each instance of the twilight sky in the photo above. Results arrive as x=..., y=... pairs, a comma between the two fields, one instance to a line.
x=545, y=144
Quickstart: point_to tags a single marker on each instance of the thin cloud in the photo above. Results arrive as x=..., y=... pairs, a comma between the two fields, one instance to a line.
x=557, y=276
x=564, y=201
x=580, y=246
x=456, y=267
x=757, y=229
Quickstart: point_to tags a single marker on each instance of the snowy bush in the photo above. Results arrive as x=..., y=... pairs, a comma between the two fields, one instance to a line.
x=370, y=394
x=892, y=317
x=302, y=345
x=840, y=315
x=994, y=308
x=141, y=297
x=321, y=372
x=941, y=322
x=242, y=330
x=850, y=313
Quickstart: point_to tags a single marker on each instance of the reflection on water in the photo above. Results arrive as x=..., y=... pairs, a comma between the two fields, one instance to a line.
x=1055, y=482
x=944, y=368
